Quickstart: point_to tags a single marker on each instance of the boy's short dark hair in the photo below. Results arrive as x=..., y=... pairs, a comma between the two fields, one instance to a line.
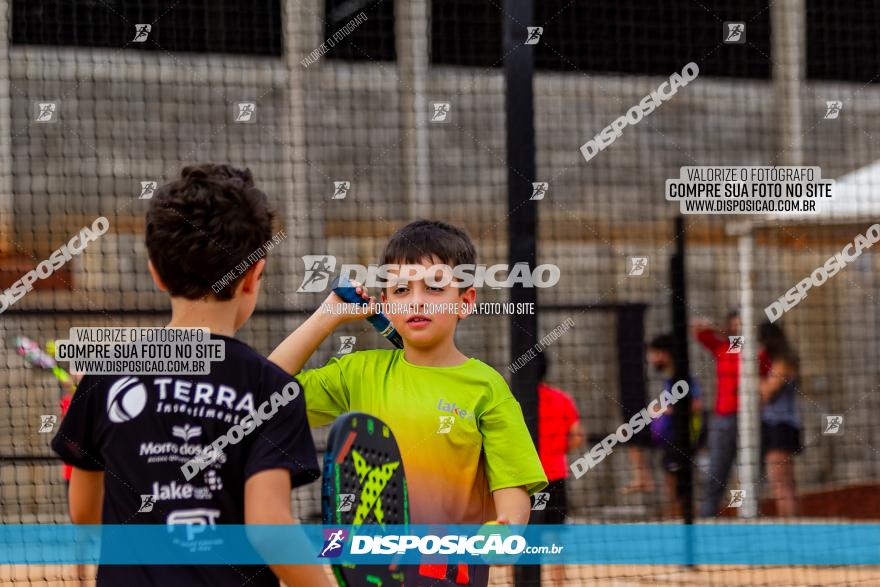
x=664, y=343
x=202, y=224
x=423, y=239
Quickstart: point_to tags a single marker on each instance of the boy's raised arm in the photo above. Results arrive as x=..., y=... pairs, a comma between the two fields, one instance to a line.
x=293, y=352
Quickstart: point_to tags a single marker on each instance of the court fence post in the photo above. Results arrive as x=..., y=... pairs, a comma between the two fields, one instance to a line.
x=682, y=369
x=7, y=227
x=522, y=215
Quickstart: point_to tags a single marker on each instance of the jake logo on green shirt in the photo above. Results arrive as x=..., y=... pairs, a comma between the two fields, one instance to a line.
x=445, y=406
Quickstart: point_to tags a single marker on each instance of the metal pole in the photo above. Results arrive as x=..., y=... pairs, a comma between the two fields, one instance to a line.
x=298, y=34
x=682, y=369
x=522, y=214
x=6, y=205
x=748, y=417
x=413, y=35
x=788, y=47
x=788, y=25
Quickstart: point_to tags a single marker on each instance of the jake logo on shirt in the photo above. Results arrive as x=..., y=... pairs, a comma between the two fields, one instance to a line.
x=451, y=408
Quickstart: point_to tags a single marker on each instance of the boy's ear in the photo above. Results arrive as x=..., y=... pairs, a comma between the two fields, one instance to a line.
x=251, y=280
x=468, y=298
x=155, y=275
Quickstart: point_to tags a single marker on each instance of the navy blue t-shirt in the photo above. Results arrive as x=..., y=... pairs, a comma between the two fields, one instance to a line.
x=141, y=429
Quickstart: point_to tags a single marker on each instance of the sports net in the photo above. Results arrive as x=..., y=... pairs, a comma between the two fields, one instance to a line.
x=356, y=117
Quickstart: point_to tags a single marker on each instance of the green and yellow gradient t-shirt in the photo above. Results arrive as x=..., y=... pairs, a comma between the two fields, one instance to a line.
x=460, y=430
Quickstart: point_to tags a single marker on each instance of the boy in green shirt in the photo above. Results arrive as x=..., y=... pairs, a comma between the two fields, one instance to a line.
x=466, y=450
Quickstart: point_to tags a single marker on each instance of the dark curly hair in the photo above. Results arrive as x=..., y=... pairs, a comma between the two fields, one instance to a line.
x=202, y=224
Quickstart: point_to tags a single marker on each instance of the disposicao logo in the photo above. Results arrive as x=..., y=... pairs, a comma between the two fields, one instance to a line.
x=333, y=541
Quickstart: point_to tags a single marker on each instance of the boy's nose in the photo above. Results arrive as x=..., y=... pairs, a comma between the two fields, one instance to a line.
x=418, y=302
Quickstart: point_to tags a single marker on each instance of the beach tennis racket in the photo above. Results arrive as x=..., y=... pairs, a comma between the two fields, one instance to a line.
x=347, y=291
x=35, y=356
x=364, y=483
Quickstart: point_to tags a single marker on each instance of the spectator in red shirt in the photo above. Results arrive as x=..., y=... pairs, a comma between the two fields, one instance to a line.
x=559, y=432
x=722, y=426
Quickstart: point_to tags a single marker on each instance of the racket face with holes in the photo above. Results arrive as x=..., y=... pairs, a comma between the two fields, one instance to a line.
x=364, y=483
x=32, y=352
x=35, y=356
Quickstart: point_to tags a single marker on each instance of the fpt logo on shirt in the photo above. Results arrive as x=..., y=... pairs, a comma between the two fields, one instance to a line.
x=195, y=521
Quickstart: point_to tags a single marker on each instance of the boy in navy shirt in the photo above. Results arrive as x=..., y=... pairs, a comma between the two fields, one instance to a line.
x=129, y=436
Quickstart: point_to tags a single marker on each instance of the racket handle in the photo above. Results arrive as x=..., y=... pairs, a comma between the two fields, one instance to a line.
x=348, y=293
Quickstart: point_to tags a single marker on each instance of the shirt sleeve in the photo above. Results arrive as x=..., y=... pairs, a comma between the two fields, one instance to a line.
x=710, y=339
x=77, y=439
x=284, y=440
x=511, y=458
x=327, y=395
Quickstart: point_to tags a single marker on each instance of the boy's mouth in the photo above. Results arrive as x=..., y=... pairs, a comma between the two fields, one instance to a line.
x=418, y=320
